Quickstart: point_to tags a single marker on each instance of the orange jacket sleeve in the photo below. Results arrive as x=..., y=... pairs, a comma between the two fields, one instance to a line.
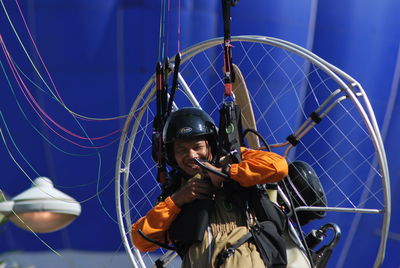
x=154, y=225
x=259, y=167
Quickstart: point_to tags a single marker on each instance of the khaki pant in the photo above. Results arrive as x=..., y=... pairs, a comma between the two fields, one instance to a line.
x=245, y=256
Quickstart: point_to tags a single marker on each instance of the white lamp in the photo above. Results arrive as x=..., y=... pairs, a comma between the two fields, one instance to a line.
x=42, y=208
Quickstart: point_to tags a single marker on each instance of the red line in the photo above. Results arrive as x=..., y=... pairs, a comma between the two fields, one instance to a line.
x=32, y=101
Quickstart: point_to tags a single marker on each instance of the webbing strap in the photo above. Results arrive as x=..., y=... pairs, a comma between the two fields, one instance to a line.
x=230, y=250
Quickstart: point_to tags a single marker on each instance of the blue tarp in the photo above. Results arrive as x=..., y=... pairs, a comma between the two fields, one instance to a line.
x=101, y=53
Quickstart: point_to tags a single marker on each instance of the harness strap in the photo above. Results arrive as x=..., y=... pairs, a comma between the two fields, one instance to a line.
x=231, y=250
x=151, y=240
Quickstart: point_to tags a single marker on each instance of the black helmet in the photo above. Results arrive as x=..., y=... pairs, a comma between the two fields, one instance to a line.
x=306, y=190
x=187, y=123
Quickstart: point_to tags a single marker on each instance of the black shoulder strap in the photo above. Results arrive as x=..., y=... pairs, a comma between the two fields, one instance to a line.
x=230, y=131
x=170, y=186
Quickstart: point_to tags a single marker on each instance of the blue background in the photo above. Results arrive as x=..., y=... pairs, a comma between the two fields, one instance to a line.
x=101, y=53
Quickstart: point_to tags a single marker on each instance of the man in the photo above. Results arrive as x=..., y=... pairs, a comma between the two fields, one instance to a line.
x=207, y=200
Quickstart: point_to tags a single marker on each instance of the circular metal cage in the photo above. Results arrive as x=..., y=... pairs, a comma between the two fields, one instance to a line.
x=288, y=87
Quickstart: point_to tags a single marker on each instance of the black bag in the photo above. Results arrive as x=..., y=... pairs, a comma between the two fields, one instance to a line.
x=191, y=222
x=270, y=244
x=265, y=210
x=270, y=225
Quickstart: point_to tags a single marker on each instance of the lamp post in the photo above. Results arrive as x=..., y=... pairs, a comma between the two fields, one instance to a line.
x=42, y=208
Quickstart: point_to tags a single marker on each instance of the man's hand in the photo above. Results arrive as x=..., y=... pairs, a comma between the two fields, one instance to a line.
x=216, y=180
x=195, y=188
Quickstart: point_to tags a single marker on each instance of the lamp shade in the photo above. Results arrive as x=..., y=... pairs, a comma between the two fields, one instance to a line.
x=42, y=208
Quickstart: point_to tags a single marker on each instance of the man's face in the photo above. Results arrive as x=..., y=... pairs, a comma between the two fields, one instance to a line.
x=187, y=149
